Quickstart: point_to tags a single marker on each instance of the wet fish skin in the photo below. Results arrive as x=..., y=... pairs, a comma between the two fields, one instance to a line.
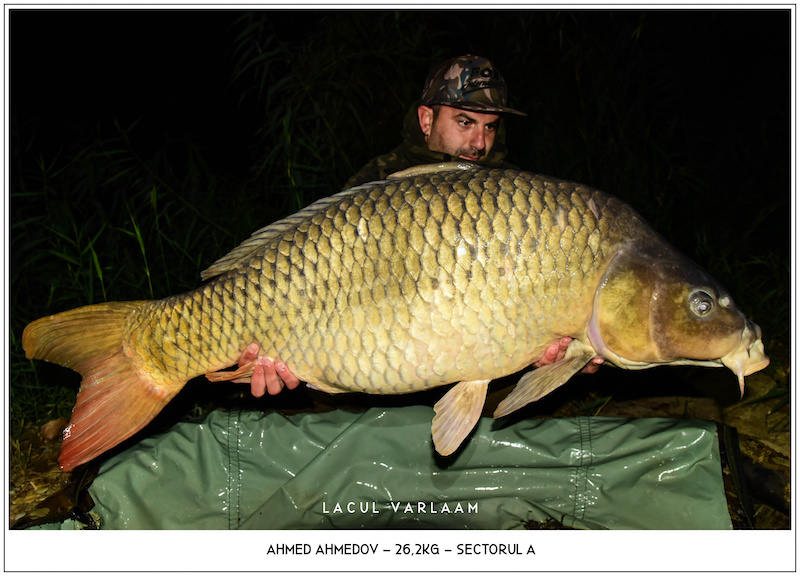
x=397, y=287
x=441, y=275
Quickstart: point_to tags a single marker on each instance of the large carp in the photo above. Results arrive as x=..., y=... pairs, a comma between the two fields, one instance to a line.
x=442, y=274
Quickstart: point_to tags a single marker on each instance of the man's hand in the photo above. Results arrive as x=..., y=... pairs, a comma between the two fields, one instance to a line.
x=267, y=376
x=555, y=352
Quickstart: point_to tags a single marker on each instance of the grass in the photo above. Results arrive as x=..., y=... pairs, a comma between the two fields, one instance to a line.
x=121, y=211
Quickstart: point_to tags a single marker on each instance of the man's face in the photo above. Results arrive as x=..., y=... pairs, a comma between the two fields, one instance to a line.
x=460, y=133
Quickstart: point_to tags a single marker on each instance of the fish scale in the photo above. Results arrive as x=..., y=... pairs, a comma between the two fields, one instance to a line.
x=446, y=298
x=440, y=275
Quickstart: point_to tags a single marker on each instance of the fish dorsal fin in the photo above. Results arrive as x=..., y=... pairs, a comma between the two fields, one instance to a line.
x=540, y=382
x=457, y=412
x=433, y=169
x=244, y=251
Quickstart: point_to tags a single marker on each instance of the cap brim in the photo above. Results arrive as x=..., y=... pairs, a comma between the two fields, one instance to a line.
x=483, y=108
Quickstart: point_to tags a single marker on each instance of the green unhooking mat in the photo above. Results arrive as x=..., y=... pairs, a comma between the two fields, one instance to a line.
x=378, y=469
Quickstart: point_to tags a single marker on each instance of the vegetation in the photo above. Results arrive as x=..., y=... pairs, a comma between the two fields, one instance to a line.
x=119, y=210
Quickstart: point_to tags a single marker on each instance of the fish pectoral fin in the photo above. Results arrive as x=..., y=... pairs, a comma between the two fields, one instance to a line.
x=540, y=382
x=457, y=412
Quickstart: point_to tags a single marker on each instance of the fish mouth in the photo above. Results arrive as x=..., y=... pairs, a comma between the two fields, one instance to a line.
x=749, y=356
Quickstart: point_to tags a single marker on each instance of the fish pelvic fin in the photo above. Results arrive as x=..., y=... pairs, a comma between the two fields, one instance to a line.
x=117, y=397
x=540, y=382
x=457, y=413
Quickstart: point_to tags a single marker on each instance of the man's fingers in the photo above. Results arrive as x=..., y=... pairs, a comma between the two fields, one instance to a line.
x=258, y=382
x=549, y=356
x=286, y=375
x=249, y=354
x=274, y=383
x=593, y=366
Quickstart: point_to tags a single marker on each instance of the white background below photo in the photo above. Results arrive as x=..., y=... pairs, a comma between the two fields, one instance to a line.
x=565, y=550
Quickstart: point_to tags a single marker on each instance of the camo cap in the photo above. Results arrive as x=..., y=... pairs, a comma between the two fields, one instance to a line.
x=469, y=83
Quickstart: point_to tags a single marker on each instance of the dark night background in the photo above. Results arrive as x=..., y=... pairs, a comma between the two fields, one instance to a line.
x=145, y=144
x=717, y=82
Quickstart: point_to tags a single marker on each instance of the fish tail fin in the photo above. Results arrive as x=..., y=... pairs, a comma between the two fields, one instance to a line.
x=117, y=397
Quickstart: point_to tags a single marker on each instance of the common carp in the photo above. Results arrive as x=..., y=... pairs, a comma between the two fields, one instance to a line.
x=439, y=275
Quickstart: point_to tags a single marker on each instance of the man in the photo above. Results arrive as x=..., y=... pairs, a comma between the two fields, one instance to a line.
x=459, y=117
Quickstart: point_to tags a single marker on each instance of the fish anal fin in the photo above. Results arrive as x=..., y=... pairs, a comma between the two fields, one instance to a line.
x=242, y=370
x=457, y=413
x=540, y=382
x=109, y=409
x=117, y=397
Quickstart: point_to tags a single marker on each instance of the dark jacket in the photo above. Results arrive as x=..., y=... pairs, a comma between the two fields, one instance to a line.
x=414, y=152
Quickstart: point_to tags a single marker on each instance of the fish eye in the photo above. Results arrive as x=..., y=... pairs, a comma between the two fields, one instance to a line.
x=701, y=303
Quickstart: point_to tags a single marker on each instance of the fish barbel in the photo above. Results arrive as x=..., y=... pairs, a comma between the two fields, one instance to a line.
x=441, y=274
